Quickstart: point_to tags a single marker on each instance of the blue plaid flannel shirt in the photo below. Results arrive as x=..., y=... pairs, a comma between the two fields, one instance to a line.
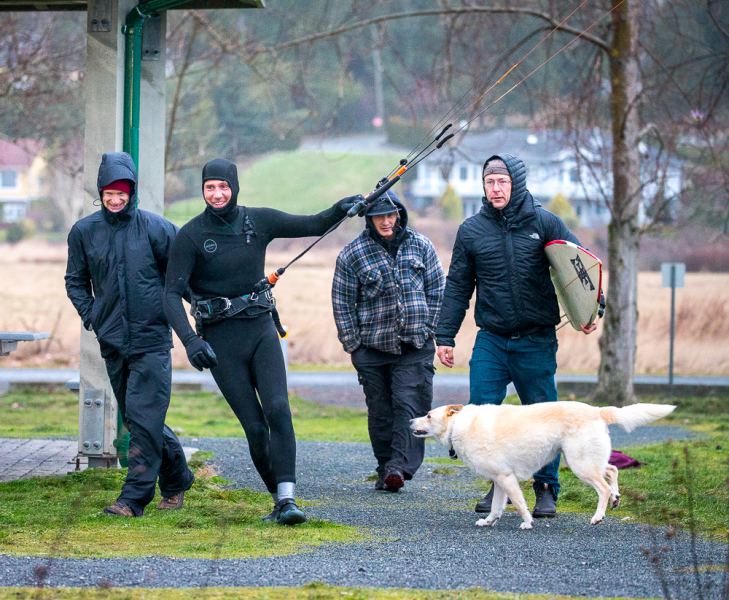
x=379, y=301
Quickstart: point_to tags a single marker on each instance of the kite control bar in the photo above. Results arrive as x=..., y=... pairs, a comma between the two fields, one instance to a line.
x=382, y=186
x=361, y=207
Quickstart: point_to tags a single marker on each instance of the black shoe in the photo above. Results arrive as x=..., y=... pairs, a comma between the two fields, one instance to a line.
x=484, y=505
x=394, y=479
x=546, y=504
x=272, y=517
x=289, y=513
x=380, y=483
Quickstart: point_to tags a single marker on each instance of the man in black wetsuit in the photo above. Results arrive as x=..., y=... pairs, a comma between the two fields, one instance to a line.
x=219, y=255
x=115, y=278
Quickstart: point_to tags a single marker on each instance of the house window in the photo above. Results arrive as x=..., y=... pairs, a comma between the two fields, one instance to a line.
x=8, y=179
x=463, y=173
x=574, y=177
x=12, y=212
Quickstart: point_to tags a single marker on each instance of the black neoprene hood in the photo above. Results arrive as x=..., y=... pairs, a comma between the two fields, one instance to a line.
x=223, y=170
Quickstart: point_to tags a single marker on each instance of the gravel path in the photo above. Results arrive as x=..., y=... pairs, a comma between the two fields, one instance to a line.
x=422, y=537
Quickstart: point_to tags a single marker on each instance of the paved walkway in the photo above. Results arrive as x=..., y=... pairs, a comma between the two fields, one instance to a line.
x=21, y=458
x=447, y=386
x=24, y=458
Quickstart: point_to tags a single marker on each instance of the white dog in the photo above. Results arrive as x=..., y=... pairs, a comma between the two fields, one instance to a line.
x=507, y=443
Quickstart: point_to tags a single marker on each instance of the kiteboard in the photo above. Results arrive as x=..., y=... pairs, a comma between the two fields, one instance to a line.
x=577, y=277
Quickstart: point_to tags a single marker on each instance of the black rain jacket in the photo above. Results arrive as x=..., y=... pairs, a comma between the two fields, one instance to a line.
x=115, y=274
x=500, y=253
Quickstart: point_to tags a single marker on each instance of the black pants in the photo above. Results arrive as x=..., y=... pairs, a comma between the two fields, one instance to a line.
x=141, y=384
x=251, y=374
x=397, y=388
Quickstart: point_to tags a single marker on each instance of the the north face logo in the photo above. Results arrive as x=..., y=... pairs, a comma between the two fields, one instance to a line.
x=210, y=246
x=534, y=236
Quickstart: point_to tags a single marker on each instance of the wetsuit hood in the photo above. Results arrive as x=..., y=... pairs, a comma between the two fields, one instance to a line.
x=223, y=170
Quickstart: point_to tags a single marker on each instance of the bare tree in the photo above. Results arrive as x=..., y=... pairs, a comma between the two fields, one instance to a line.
x=40, y=98
x=618, y=45
x=609, y=90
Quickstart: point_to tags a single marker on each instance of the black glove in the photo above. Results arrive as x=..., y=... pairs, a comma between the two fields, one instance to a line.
x=601, y=305
x=200, y=353
x=346, y=204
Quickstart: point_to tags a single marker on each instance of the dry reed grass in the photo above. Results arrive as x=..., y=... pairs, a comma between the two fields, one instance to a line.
x=34, y=299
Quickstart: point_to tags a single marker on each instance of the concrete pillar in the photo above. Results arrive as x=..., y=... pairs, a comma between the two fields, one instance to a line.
x=103, y=133
x=152, y=117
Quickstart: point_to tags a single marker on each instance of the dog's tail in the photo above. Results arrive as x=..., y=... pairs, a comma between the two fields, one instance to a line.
x=634, y=415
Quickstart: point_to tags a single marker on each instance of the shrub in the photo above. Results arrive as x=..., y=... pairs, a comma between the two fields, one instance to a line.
x=451, y=205
x=19, y=231
x=561, y=207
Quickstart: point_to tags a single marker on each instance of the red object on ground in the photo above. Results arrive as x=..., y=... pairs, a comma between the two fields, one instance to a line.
x=622, y=461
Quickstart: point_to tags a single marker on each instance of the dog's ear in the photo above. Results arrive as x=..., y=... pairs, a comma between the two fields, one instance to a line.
x=453, y=409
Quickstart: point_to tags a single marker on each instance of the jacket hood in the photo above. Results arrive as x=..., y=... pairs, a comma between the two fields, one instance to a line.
x=401, y=210
x=115, y=166
x=224, y=170
x=517, y=171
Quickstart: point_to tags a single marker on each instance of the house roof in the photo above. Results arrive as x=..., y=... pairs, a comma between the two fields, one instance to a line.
x=530, y=145
x=18, y=154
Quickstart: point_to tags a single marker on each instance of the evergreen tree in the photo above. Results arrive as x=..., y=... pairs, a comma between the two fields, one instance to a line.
x=560, y=206
x=451, y=205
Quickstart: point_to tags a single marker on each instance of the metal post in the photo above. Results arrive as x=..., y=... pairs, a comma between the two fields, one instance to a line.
x=379, y=118
x=673, y=328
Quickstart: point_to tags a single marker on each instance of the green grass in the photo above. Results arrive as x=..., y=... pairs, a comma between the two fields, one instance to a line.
x=62, y=516
x=192, y=414
x=313, y=591
x=299, y=182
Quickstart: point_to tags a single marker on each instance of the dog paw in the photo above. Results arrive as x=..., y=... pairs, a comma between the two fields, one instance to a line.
x=526, y=525
x=486, y=522
x=616, y=502
x=596, y=519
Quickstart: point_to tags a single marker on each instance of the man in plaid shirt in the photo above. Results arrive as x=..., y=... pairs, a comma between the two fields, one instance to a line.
x=386, y=294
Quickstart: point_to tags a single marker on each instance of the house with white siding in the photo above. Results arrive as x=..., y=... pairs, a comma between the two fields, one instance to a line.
x=554, y=166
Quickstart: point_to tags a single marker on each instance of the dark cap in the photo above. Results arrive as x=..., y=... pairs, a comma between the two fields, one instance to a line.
x=384, y=205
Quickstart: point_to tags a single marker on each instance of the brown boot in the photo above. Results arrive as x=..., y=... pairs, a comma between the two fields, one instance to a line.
x=119, y=509
x=172, y=502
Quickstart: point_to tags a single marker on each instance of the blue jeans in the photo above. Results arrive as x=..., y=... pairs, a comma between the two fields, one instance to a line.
x=530, y=362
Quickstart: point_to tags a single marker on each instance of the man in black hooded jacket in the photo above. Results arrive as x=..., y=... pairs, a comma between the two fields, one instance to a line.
x=499, y=252
x=220, y=256
x=117, y=258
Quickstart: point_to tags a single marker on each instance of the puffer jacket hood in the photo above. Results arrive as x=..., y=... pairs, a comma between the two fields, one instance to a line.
x=115, y=166
x=517, y=171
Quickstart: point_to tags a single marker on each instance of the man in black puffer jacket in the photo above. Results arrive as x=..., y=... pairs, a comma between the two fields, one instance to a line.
x=117, y=258
x=500, y=253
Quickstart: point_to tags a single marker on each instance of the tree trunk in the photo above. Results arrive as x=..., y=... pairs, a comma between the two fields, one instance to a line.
x=618, y=342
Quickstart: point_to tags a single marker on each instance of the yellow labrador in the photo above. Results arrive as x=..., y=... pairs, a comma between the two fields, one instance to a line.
x=508, y=443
